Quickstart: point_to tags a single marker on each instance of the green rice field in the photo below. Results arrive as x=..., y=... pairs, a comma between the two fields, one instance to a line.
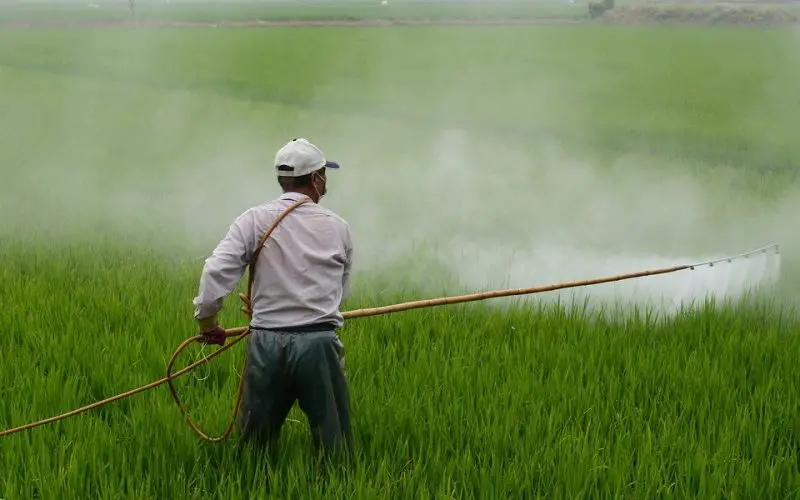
x=473, y=158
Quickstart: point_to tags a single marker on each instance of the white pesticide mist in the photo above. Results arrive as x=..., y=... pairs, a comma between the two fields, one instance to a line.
x=568, y=221
x=482, y=209
x=501, y=212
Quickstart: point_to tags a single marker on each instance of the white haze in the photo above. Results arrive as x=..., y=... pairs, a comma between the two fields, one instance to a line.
x=551, y=216
x=571, y=223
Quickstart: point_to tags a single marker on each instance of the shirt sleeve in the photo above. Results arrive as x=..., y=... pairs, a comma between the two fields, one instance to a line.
x=225, y=267
x=348, y=263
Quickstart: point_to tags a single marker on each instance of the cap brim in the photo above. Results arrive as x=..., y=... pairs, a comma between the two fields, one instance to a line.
x=331, y=164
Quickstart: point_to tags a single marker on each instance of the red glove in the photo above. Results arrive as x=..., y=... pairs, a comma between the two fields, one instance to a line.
x=214, y=336
x=210, y=331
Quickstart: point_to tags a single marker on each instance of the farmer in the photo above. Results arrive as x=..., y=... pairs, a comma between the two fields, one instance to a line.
x=301, y=277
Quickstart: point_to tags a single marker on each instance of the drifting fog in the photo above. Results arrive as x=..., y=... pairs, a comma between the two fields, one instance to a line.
x=172, y=167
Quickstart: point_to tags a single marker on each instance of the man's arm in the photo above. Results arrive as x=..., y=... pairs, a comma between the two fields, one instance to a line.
x=223, y=270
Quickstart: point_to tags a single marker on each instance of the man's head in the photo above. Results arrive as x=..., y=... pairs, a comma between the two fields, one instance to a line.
x=301, y=168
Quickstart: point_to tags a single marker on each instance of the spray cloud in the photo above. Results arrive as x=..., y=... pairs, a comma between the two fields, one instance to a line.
x=488, y=208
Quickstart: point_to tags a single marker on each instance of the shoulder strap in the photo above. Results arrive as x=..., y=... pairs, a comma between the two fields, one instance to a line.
x=252, y=268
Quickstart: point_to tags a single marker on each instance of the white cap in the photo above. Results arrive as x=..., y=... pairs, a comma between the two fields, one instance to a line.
x=300, y=157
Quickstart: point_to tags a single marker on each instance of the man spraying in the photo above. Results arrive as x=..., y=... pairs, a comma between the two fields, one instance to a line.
x=301, y=276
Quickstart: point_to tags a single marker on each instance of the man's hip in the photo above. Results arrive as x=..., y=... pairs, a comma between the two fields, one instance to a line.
x=293, y=347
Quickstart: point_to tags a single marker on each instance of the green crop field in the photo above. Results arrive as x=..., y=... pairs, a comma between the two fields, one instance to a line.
x=473, y=158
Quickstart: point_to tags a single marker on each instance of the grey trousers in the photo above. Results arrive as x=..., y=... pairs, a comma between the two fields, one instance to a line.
x=284, y=367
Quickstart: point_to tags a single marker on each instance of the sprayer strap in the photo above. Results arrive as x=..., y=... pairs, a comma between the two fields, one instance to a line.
x=257, y=252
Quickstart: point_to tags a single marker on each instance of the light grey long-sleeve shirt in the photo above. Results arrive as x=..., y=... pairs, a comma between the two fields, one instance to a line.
x=302, y=274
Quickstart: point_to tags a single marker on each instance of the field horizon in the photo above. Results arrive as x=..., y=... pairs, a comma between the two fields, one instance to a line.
x=146, y=14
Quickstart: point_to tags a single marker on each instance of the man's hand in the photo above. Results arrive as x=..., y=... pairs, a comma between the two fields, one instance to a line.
x=246, y=308
x=211, y=332
x=214, y=336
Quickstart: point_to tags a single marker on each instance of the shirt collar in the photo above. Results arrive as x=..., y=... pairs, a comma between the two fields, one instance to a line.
x=293, y=196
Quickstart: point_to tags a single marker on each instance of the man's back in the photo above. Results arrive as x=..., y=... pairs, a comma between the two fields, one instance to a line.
x=302, y=273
